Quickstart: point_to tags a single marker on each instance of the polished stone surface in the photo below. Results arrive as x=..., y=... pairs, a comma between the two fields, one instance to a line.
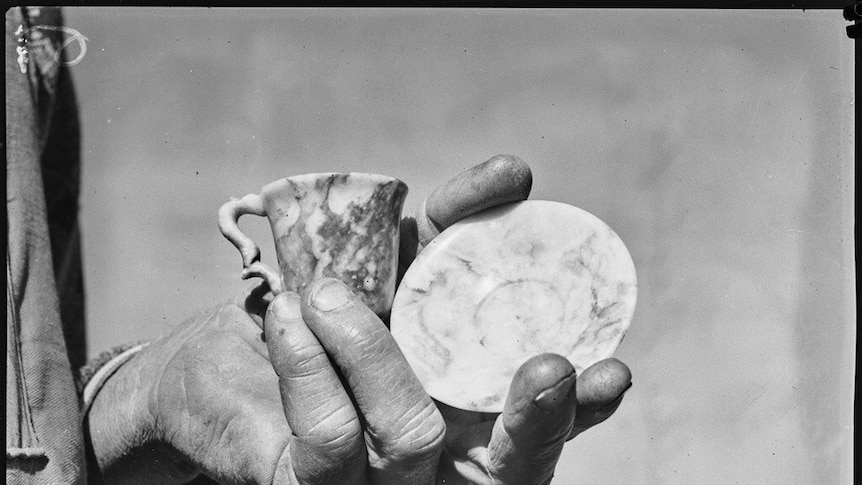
x=338, y=225
x=506, y=284
x=345, y=226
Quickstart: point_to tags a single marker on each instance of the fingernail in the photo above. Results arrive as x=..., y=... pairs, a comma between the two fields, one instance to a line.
x=286, y=307
x=554, y=396
x=330, y=295
x=620, y=397
x=617, y=400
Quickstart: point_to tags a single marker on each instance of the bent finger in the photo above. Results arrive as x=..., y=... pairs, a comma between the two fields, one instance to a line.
x=328, y=447
x=404, y=430
x=600, y=391
x=537, y=418
x=502, y=179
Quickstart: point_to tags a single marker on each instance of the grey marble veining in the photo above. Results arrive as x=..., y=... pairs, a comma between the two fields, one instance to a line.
x=504, y=285
x=346, y=228
x=338, y=225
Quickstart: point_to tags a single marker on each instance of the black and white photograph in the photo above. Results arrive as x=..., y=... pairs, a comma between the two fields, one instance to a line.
x=496, y=246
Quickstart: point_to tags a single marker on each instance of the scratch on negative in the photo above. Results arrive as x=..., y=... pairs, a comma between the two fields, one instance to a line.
x=807, y=65
x=800, y=231
x=774, y=229
x=754, y=116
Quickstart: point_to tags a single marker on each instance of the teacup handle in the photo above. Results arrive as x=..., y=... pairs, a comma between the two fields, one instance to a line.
x=228, y=217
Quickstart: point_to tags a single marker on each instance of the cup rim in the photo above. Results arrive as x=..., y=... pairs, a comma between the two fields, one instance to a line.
x=304, y=177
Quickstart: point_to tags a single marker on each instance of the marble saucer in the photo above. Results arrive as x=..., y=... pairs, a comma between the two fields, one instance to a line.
x=504, y=285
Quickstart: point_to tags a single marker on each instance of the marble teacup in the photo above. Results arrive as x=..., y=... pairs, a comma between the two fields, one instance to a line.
x=339, y=225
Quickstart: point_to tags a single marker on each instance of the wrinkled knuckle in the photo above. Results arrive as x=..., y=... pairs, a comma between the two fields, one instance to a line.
x=413, y=452
x=308, y=360
x=369, y=337
x=336, y=439
x=422, y=438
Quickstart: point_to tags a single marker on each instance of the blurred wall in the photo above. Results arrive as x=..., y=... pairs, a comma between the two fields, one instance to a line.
x=718, y=144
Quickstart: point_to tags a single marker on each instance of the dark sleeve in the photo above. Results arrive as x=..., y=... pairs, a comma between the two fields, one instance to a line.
x=61, y=174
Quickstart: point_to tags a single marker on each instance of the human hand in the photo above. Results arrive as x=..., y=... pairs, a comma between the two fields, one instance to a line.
x=204, y=398
x=497, y=181
x=359, y=415
x=385, y=408
x=547, y=404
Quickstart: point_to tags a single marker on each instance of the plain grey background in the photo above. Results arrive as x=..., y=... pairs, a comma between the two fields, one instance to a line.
x=717, y=144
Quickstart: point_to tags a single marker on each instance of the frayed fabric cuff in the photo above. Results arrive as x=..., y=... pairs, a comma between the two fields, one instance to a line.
x=94, y=375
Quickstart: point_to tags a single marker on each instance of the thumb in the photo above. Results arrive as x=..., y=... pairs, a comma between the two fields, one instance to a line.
x=327, y=446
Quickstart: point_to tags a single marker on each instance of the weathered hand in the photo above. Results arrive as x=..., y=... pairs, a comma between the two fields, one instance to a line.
x=377, y=424
x=547, y=404
x=342, y=406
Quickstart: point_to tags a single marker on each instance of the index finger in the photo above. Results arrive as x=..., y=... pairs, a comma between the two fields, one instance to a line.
x=502, y=179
